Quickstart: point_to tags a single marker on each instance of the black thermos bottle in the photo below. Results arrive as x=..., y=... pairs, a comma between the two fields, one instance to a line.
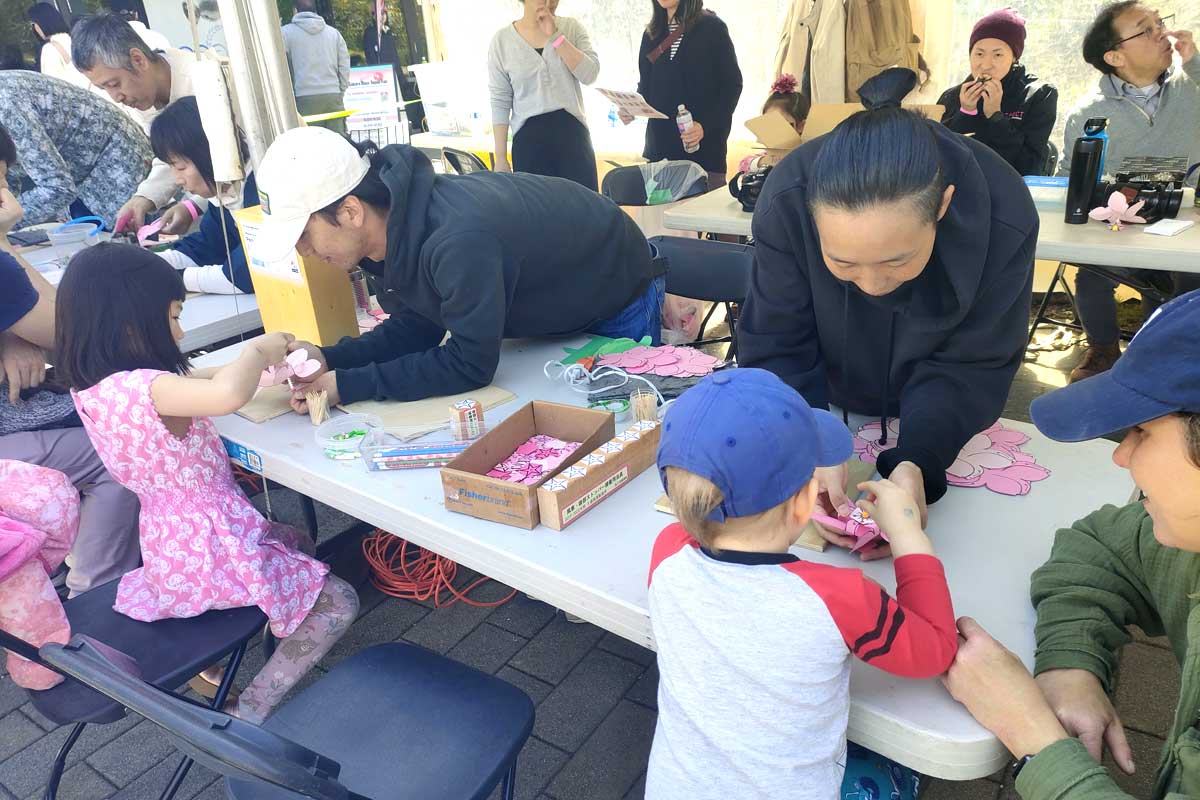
x=1087, y=164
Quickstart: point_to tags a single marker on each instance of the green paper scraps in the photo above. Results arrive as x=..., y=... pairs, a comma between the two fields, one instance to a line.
x=602, y=346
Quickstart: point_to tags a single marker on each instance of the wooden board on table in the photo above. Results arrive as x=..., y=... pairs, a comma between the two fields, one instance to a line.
x=857, y=472
x=429, y=414
x=268, y=403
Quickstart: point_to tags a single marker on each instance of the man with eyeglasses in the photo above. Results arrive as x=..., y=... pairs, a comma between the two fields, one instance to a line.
x=1153, y=109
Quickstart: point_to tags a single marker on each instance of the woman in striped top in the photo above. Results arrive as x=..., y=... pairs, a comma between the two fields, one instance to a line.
x=687, y=58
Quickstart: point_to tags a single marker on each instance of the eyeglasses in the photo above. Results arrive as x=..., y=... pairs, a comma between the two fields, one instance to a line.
x=1155, y=27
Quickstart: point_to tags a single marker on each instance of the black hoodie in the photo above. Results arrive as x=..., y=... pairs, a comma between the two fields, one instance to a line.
x=1020, y=133
x=486, y=257
x=941, y=351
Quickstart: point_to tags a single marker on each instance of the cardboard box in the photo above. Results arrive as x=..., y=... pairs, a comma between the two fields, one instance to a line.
x=308, y=298
x=581, y=487
x=468, y=489
x=779, y=138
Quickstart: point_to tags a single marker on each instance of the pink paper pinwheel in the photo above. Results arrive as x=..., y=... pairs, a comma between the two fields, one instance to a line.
x=1118, y=211
x=992, y=458
x=665, y=361
x=858, y=524
x=296, y=365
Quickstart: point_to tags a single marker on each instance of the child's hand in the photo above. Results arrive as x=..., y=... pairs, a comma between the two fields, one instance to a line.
x=273, y=347
x=897, y=513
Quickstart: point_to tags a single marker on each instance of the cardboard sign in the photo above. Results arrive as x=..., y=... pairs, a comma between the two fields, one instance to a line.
x=595, y=477
x=372, y=92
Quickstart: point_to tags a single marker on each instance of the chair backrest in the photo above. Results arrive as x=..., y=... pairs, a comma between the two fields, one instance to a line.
x=1051, y=159
x=626, y=186
x=230, y=746
x=462, y=162
x=703, y=270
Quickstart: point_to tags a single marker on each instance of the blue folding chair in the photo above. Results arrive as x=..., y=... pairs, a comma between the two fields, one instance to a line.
x=392, y=721
x=167, y=653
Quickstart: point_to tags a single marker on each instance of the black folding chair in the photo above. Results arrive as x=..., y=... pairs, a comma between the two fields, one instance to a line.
x=716, y=272
x=1156, y=294
x=626, y=186
x=168, y=653
x=462, y=162
x=392, y=721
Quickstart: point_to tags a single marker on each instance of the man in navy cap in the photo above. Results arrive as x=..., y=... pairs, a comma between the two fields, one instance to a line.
x=1136, y=565
x=754, y=644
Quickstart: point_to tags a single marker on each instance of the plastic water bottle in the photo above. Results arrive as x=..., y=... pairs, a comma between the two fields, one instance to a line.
x=684, y=121
x=612, y=116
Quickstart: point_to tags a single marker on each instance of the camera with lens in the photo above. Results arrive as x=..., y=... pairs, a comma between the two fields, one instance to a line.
x=1163, y=198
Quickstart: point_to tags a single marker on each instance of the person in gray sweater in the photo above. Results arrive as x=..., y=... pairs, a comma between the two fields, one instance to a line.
x=1153, y=109
x=320, y=64
x=535, y=68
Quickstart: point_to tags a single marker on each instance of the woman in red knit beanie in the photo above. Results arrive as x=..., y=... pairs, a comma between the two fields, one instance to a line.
x=1002, y=104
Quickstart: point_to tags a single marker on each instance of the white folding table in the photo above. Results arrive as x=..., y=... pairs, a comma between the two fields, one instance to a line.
x=597, y=567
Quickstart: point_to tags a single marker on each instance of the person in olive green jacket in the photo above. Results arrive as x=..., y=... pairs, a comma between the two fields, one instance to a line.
x=1137, y=565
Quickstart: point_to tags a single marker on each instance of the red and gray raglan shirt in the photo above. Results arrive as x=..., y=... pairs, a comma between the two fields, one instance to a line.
x=754, y=657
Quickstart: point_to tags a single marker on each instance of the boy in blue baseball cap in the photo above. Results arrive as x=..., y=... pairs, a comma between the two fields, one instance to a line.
x=754, y=644
x=1134, y=565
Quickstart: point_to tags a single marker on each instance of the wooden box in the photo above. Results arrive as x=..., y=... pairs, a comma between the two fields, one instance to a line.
x=307, y=298
x=469, y=490
x=581, y=487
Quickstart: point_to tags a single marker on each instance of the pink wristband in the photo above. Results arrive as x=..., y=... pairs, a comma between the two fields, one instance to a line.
x=558, y=42
x=191, y=207
x=971, y=113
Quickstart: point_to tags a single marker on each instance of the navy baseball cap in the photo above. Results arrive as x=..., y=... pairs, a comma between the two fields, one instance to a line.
x=753, y=436
x=1158, y=374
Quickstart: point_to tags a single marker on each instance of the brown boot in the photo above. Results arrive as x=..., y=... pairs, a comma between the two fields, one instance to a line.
x=1097, y=359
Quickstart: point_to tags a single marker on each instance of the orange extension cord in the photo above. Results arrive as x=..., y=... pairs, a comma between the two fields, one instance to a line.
x=402, y=569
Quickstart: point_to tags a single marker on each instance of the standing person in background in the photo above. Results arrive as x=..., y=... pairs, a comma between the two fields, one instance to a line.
x=52, y=31
x=535, y=68
x=379, y=42
x=130, y=11
x=320, y=64
x=687, y=58
x=1001, y=104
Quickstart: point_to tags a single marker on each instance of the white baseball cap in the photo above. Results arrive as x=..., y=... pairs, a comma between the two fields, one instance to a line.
x=304, y=170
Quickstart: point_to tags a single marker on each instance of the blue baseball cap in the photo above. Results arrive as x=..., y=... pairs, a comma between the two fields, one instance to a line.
x=1158, y=374
x=753, y=436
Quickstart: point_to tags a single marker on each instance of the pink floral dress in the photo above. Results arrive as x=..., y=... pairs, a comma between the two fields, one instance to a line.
x=204, y=546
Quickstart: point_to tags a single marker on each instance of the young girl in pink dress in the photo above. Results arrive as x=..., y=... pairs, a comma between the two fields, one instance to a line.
x=204, y=546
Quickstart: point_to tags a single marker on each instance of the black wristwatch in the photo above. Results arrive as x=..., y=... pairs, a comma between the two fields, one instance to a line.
x=1020, y=763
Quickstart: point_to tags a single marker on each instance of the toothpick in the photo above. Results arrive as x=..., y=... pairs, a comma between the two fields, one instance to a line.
x=318, y=406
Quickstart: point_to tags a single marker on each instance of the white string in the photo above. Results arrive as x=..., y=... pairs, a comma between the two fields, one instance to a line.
x=577, y=378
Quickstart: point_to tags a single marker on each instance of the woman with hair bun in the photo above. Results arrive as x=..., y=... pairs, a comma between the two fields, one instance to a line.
x=892, y=276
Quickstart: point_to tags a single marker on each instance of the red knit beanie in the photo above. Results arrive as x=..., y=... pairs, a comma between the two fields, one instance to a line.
x=1006, y=25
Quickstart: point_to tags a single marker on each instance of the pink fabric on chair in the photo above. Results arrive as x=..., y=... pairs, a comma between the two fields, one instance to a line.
x=45, y=499
x=39, y=516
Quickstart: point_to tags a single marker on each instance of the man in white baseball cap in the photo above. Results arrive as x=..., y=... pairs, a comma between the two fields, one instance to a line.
x=485, y=256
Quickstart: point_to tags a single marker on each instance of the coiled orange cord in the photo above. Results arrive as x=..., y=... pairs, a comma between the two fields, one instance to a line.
x=402, y=569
